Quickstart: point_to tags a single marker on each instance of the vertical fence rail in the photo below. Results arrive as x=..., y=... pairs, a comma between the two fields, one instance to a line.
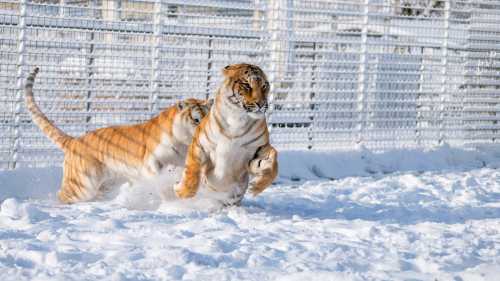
x=156, y=54
x=362, y=80
x=444, y=92
x=378, y=73
x=21, y=52
x=209, y=65
x=90, y=77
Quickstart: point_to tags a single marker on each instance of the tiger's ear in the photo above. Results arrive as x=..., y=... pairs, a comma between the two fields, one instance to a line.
x=229, y=70
x=210, y=102
x=180, y=105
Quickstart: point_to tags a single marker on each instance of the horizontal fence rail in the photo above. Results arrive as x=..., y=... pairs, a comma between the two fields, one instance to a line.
x=383, y=74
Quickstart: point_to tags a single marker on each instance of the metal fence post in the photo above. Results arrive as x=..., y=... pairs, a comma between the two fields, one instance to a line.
x=209, y=65
x=156, y=56
x=312, y=94
x=419, y=103
x=362, y=81
x=90, y=74
x=21, y=52
x=61, y=8
x=466, y=75
x=271, y=35
x=444, y=72
x=266, y=48
x=279, y=15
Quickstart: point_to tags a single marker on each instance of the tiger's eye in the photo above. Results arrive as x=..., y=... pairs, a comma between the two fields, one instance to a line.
x=246, y=86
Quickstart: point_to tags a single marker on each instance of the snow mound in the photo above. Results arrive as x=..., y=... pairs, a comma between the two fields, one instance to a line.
x=402, y=215
x=309, y=165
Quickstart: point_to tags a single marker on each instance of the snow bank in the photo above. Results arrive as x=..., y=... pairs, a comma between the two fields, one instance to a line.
x=307, y=165
x=400, y=215
x=23, y=183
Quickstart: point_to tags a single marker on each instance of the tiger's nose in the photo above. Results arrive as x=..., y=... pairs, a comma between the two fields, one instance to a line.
x=255, y=81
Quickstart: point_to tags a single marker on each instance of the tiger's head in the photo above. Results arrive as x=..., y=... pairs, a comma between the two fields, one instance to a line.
x=189, y=114
x=246, y=87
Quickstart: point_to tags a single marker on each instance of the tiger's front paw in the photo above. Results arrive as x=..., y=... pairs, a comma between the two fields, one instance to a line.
x=260, y=165
x=254, y=188
x=182, y=192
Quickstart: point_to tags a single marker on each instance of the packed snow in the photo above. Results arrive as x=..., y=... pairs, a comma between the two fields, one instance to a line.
x=400, y=215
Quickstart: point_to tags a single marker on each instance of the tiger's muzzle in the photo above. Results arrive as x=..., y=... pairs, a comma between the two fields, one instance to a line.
x=236, y=99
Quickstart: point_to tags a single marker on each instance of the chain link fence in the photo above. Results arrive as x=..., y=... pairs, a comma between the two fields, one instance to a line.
x=379, y=73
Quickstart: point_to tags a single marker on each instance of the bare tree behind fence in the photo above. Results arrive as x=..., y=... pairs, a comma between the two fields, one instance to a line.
x=379, y=73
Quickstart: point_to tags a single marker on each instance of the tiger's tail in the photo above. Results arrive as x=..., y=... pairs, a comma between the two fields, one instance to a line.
x=48, y=128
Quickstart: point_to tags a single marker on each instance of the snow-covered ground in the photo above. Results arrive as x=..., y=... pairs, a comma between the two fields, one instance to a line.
x=401, y=215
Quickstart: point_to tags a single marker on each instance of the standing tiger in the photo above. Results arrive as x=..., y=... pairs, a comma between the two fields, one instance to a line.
x=120, y=153
x=232, y=141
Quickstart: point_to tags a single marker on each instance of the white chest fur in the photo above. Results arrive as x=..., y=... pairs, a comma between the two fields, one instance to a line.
x=167, y=152
x=230, y=159
x=230, y=155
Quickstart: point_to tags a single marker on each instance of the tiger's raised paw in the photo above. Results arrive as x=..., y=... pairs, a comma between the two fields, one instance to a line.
x=254, y=189
x=261, y=165
x=182, y=192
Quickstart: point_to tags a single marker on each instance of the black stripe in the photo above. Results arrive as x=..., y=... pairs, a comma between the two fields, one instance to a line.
x=255, y=139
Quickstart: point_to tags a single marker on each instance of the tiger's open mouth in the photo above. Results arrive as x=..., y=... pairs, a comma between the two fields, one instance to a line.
x=249, y=108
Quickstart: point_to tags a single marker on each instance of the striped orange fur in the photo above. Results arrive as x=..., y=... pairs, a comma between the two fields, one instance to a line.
x=232, y=142
x=108, y=156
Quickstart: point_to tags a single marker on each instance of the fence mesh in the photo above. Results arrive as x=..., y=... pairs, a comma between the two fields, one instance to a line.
x=379, y=73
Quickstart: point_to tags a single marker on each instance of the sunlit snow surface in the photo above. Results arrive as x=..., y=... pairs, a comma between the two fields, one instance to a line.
x=436, y=222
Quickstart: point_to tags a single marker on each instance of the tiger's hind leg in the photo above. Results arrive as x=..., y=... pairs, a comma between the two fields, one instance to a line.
x=79, y=185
